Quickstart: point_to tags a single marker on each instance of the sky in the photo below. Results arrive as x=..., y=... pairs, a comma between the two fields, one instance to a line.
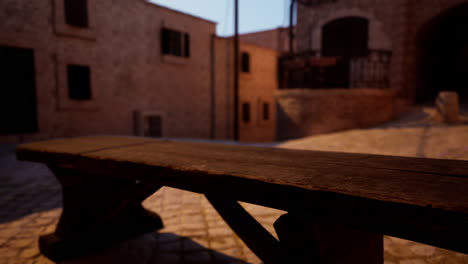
x=254, y=15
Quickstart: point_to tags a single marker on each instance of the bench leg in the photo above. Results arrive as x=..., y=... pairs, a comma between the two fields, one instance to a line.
x=255, y=236
x=321, y=241
x=97, y=213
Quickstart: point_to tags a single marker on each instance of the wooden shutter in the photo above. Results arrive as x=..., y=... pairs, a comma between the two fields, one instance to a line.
x=186, y=45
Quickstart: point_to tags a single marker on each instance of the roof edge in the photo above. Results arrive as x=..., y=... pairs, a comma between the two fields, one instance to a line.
x=179, y=12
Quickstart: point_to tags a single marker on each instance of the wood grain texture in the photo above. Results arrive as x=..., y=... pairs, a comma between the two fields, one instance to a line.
x=81, y=145
x=441, y=184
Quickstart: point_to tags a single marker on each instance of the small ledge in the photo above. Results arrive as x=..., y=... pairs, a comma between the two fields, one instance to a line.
x=171, y=59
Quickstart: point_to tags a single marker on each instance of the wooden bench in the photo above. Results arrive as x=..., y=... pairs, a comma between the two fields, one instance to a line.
x=338, y=204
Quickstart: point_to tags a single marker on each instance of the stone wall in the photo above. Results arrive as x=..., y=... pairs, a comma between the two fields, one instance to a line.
x=393, y=25
x=128, y=71
x=255, y=88
x=305, y=112
x=387, y=25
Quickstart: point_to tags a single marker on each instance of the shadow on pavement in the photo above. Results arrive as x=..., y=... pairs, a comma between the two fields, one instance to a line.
x=26, y=187
x=29, y=190
x=155, y=248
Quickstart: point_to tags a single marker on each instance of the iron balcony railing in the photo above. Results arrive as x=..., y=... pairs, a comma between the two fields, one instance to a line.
x=308, y=70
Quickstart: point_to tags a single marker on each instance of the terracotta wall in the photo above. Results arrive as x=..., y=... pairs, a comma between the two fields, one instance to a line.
x=255, y=88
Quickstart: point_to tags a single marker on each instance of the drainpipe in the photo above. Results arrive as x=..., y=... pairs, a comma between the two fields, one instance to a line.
x=291, y=31
x=213, y=88
x=236, y=70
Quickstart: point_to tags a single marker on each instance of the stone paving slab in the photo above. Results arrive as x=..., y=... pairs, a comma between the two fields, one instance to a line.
x=30, y=204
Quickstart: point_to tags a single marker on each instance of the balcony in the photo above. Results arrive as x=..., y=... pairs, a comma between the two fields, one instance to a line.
x=309, y=70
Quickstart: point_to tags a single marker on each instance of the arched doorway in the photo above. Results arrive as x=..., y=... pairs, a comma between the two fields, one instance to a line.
x=345, y=38
x=442, y=59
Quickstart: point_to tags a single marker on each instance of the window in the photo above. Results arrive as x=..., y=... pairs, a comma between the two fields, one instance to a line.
x=266, y=111
x=76, y=13
x=175, y=43
x=246, y=112
x=245, y=62
x=79, y=82
x=154, y=126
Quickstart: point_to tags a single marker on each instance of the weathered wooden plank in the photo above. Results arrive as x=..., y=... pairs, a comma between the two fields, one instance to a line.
x=90, y=144
x=352, y=174
x=81, y=144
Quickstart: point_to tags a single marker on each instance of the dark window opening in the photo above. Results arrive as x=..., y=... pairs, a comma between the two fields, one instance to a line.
x=76, y=13
x=154, y=126
x=165, y=36
x=79, y=82
x=18, y=112
x=245, y=62
x=246, y=112
x=266, y=111
x=187, y=45
x=175, y=43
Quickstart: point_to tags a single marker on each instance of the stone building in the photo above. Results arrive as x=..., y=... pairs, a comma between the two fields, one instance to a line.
x=130, y=67
x=376, y=56
x=257, y=87
x=425, y=41
x=76, y=67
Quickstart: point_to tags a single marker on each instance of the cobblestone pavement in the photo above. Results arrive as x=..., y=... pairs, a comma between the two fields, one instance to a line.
x=194, y=233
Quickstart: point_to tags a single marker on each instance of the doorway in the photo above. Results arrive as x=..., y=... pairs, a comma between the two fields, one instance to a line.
x=153, y=126
x=344, y=38
x=442, y=55
x=18, y=111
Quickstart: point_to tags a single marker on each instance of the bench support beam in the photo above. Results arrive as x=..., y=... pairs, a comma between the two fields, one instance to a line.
x=319, y=240
x=255, y=236
x=98, y=212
